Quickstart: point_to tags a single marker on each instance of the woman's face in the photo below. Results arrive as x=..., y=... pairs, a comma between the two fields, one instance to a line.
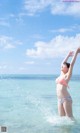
x=64, y=68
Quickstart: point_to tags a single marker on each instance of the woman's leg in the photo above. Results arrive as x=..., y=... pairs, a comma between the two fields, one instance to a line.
x=61, y=109
x=68, y=108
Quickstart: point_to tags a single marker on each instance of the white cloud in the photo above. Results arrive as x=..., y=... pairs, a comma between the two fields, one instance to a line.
x=29, y=62
x=58, y=46
x=33, y=6
x=69, y=29
x=62, y=30
x=57, y=7
x=8, y=42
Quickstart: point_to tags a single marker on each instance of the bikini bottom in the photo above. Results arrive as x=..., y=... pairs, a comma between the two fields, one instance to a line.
x=62, y=100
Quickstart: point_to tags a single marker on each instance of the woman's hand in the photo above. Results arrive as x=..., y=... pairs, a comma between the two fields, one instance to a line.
x=71, y=53
x=78, y=50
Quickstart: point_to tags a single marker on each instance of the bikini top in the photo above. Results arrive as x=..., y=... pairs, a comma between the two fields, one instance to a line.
x=62, y=81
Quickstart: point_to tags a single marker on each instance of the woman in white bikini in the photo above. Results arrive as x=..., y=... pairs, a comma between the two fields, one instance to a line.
x=64, y=98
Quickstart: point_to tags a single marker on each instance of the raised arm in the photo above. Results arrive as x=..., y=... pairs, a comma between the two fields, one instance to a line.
x=72, y=63
x=67, y=57
x=74, y=57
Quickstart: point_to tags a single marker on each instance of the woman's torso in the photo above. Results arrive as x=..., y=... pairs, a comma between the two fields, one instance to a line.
x=61, y=87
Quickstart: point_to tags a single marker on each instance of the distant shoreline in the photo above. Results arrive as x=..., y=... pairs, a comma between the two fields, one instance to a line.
x=34, y=76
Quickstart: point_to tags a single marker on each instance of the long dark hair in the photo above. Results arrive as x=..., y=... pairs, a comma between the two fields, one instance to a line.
x=67, y=64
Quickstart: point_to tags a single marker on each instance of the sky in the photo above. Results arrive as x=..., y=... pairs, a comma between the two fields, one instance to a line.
x=36, y=35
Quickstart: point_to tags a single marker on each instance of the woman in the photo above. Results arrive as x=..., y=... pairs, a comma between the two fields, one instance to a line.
x=64, y=98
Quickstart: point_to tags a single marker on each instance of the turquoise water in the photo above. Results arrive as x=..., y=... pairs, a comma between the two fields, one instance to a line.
x=28, y=104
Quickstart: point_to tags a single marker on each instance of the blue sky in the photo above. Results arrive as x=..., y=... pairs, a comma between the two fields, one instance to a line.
x=35, y=35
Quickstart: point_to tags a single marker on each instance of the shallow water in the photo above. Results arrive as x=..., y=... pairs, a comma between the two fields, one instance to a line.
x=28, y=104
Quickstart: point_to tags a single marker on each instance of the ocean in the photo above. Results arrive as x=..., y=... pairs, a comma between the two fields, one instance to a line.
x=28, y=104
